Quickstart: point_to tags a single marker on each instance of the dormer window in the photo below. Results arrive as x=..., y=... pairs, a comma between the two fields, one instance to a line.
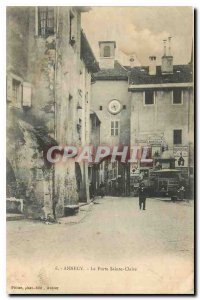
x=46, y=21
x=106, y=51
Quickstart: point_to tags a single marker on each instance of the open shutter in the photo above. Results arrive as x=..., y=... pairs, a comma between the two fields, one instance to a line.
x=26, y=94
x=9, y=88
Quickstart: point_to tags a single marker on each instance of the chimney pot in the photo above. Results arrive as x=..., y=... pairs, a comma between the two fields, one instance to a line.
x=167, y=60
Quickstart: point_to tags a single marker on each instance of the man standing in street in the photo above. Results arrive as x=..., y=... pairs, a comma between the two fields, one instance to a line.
x=142, y=196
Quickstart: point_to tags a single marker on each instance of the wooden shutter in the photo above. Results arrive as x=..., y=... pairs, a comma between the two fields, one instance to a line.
x=9, y=88
x=26, y=94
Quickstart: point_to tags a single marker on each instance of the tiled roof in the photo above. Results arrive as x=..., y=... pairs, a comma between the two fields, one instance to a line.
x=117, y=73
x=140, y=75
x=181, y=74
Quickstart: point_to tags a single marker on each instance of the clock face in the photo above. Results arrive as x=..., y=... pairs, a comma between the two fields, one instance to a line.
x=114, y=106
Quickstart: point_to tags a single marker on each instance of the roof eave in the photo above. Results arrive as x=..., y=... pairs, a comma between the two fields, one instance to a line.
x=87, y=55
x=110, y=78
x=144, y=86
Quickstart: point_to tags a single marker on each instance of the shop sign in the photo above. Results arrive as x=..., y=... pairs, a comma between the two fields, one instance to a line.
x=181, y=156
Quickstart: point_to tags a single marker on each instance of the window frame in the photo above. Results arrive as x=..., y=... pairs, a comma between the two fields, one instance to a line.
x=9, y=94
x=181, y=98
x=144, y=98
x=106, y=47
x=180, y=130
x=114, y=128
x=16, y=84
x=46, y=12
x=23, y=90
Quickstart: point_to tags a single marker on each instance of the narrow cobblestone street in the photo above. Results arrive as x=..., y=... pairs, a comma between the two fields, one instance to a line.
x=112, y=235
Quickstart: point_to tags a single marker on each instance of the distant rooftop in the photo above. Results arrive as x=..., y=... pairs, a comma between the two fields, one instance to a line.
x=181, y=74
x=117, y=73
x=140, y=75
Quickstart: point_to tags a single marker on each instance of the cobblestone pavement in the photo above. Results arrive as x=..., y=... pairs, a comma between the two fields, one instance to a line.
x=127, y=250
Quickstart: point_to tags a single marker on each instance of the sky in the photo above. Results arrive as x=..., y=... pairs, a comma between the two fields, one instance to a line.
x=140, y=31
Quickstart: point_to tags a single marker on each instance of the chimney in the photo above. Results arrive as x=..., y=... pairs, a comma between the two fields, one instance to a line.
x=167, y=60
x=152, y=65
x=132, y=61
x=107, y=54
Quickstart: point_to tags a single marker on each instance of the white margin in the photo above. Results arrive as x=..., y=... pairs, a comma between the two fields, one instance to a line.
x=3, y=5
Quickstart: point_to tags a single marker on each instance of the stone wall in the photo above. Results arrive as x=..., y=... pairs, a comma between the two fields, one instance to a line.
x=52, y=66
x=102, y=93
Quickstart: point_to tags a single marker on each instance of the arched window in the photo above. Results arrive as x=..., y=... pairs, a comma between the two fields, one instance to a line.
x=106, y=52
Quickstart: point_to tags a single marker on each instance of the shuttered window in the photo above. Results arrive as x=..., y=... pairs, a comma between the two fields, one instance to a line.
x=18, y=93
x=26, y=94
x=9, y=88
x=14, y=91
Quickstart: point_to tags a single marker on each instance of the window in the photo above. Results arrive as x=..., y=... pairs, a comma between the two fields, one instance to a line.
x=114, y=128
x=15, y=91
x=177, y=96
x=149, y=98
x=46, y=21
x=124, y=106
x=19, y=92
x=106, y=52
x=100, y=107
x=177, y=136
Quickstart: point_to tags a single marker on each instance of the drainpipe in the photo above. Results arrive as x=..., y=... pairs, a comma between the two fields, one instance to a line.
x=54, y=200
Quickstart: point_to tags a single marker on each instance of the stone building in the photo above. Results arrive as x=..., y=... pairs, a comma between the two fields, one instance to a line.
x=94, y=176
x=111, y=102
x=49, y=66
x=162, y=114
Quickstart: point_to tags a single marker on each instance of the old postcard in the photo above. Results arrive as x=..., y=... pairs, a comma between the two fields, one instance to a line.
x=100, y=150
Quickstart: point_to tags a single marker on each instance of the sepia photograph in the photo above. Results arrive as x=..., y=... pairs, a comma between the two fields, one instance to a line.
x=100, y=168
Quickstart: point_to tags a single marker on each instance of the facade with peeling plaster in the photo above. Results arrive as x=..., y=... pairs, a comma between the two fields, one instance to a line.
x=49, y=66
x=163, y=95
